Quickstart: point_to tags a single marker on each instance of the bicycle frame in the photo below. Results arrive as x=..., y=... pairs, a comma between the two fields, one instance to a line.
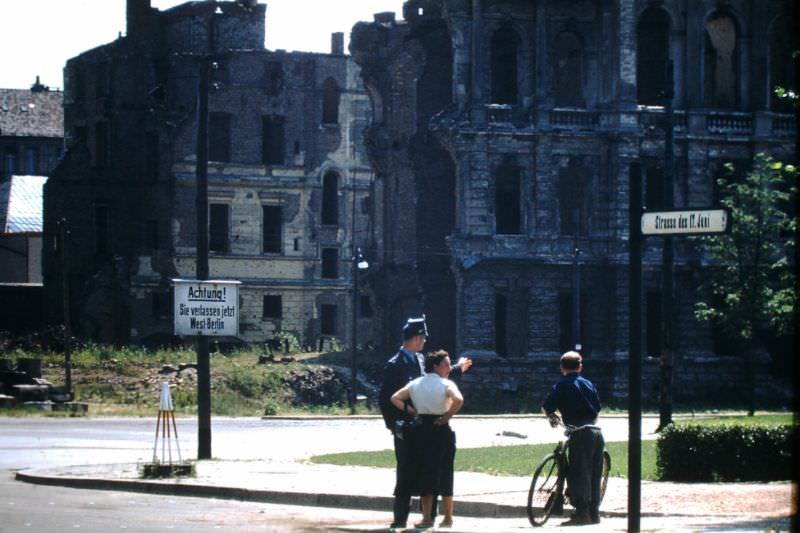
x=547, y=493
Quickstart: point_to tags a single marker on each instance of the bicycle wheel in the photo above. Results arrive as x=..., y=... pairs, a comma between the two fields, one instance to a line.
x=546, y=492
x=606, y=470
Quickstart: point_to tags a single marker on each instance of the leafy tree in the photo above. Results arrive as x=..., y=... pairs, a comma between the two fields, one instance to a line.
x=751, y=289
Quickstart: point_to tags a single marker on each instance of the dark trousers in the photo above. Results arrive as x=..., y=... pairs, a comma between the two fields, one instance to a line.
x=585, y=471
x=403, y=479
x=406, y=478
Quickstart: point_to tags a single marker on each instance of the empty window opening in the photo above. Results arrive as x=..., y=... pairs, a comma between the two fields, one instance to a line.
x=10, y=162
x=101, y=74
x=504, y=52
x=219, y=137
x=218, y=225
x=328, y=319
x=102, y=231
x=654, y=189
x=272, y=221
x=568, y=71
x=151, y=155
x=273, y=78
x=652, y=56
x=572, y=194
x=365, y=306
x=653, y=324
x=161, y=304
x=781, y=66
x=101, y=145
x=330, y=102
x=500, y=324
x=330, y=199
x=330, y=263
x=151, y=234
x=721, y=68
x=507, y=200
x=31, y=159
x=272, y=307
x=272, y=140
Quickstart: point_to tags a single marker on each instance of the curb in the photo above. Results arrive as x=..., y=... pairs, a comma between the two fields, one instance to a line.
x=465, y=508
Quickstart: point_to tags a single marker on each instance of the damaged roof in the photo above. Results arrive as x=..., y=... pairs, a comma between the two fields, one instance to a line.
x=21, y=205
x=26, y=113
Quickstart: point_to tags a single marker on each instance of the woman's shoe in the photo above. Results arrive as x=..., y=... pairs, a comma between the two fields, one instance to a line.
x=423, y=525
x=446, y=523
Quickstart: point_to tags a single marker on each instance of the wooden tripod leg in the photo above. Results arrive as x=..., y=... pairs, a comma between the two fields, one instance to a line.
x=155, y=443
x=175, y=428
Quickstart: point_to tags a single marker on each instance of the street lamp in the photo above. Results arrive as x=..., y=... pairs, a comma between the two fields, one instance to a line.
x=359, y=263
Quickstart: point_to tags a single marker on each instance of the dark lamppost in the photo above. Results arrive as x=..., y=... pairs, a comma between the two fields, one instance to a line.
x=576, y=287
x=64, y=234
x=201, y=173
x=359, y=263
x=667, y=356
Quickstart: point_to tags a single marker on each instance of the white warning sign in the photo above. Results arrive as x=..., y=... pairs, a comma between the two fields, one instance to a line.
x=208, y=307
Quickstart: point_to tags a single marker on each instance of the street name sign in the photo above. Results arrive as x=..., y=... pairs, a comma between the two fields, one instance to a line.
x=687, y=222
x=209, y=307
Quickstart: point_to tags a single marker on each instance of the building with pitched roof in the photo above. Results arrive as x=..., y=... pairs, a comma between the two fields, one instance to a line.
x=31, y=130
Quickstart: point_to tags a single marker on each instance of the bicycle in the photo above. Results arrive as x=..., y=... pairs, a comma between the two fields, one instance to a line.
x=546, y=495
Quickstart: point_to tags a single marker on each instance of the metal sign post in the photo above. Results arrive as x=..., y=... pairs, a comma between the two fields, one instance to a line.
x=641, y=225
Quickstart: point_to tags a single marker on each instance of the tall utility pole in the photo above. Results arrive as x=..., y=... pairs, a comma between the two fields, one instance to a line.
x=63, y=233
x=354, y=341
x=635, y=351
x=201, y=173
x=576, y=286
x=667, y=355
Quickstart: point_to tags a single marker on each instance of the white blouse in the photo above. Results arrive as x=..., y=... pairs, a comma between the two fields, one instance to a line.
x=429, y=394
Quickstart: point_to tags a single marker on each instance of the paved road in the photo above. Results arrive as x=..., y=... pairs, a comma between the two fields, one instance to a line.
x=248, y=446
x=49, y=442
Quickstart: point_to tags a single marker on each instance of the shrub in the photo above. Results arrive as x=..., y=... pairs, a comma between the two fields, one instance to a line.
x=726, y=453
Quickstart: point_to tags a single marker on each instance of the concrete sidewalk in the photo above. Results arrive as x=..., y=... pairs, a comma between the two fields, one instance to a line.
x=477, y=495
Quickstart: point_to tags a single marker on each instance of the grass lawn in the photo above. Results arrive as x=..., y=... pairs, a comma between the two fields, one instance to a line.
x=521, y=460
x=518, y=460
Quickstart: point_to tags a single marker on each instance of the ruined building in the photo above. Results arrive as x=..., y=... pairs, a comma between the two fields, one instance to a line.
x=479, y=152
x=505, y=134
x=289, y=182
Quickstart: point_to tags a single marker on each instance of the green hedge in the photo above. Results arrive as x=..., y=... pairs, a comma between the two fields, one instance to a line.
x=726, y=453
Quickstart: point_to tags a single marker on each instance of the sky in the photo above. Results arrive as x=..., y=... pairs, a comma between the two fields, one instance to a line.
x=37, y=37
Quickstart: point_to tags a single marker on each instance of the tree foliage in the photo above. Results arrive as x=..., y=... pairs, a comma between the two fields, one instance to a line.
x=751, y=288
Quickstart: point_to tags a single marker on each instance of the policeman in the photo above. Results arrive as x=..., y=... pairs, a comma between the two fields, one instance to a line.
x=407, y=364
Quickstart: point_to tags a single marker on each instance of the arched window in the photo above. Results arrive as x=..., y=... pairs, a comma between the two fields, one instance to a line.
x=505, y=44
x=508, y=213
x=782, y=41
x=330, y=102
x=721, y=69
x=652, y=56
x=330, y=199
x=568, y=70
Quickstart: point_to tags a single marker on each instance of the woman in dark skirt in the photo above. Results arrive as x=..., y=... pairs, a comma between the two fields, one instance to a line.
x=435, y=400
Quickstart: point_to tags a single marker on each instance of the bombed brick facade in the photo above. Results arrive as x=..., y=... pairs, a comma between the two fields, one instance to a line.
x=289, y=182
x=505, y=136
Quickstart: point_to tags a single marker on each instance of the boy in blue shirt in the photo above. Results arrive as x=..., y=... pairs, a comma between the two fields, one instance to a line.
x=576, y=398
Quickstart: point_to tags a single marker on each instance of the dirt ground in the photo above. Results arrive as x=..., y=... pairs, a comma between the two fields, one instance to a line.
x=763, y=500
